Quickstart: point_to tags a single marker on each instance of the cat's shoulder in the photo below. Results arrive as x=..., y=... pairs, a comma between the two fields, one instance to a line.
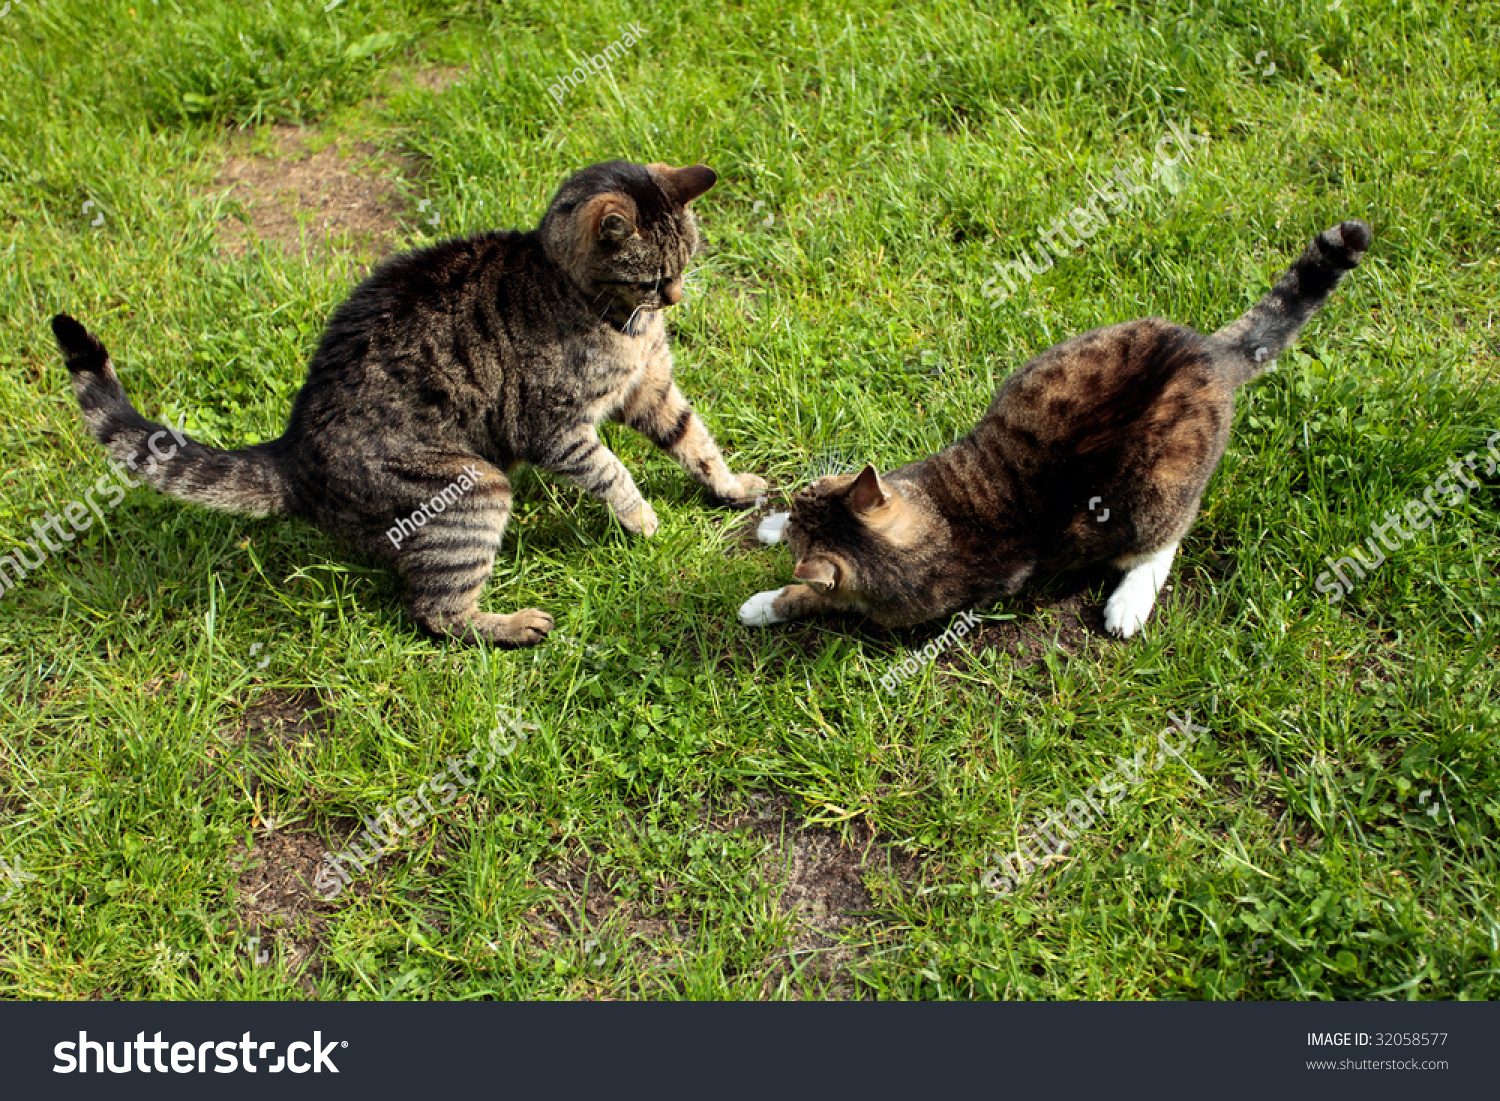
x=419, y=281
x=453, y=261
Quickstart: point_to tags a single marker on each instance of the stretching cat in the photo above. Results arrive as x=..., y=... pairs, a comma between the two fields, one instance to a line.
x=448, y=366
x=1098, y=450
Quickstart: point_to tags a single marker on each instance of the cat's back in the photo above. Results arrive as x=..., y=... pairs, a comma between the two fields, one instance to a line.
x=430, y=288
x=1106, y=378
x=424, y=340
x=438, y=316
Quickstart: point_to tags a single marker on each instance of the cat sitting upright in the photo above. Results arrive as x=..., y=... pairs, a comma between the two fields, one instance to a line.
x=447, y=367
x=1097, y=450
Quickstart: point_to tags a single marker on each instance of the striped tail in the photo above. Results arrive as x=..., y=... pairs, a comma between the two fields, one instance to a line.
x=249, y=480
x=1268, y=328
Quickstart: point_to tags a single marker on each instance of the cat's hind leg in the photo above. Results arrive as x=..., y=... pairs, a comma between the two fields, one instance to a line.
x=1135, y=596
x=446, y=558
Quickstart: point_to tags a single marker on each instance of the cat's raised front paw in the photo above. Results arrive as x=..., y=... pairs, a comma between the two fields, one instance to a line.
x=743, y=494
x=642, y=521
x=772, y=527
x=757, y=611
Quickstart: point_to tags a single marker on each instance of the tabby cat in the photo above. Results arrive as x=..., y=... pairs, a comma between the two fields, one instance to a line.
x=448, y=366
x=1097, y=450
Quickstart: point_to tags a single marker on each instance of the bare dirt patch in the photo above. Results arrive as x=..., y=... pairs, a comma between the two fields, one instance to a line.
x=821, y=885
x=439, y=78
x=814, y=878
x=276, y=904
x=589, y=920
x=1066, y=616
x=293, y=720
x=280, y=722
x=745, y=539
x=337, y=199
x=1040, y=625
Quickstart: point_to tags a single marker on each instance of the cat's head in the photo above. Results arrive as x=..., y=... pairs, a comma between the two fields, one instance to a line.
x=624, y=232
x=848, y=533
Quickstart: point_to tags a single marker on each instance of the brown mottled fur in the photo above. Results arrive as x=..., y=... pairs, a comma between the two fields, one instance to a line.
x=475, y=354
x=1132, y=418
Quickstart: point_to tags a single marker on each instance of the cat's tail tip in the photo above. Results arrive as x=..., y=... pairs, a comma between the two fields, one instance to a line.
x=1251, y=343
x=1354, y=236
x=1344, y=245
x=80, y=348
x=95, y=383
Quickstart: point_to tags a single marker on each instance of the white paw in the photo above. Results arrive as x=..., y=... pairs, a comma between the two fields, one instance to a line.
x=1134, y=597
x=772, y=526
x=757, y=612
x=1129, y=605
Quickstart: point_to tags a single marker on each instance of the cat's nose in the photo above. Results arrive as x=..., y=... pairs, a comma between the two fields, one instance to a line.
x=671, y=294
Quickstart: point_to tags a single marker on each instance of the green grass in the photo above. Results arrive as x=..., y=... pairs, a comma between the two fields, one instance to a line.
x=901, y=154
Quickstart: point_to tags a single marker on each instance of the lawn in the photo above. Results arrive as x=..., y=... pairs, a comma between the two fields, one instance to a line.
x=196, y=708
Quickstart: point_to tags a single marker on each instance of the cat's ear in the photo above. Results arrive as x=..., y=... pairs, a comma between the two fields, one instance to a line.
x=614, y=226
x=817, y=573
x=609, y=217
x=685, y=184
x=868, y=491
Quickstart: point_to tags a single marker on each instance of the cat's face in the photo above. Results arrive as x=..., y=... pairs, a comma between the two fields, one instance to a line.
x=845, y=530
x=629, y=233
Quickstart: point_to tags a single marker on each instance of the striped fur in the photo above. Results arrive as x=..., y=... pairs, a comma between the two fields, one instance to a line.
x=466, y=358
x=1097, y=450
x=1270, y=326
x=248, y=480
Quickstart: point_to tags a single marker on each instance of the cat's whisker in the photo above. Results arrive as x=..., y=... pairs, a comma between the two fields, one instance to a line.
x=608, y=302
